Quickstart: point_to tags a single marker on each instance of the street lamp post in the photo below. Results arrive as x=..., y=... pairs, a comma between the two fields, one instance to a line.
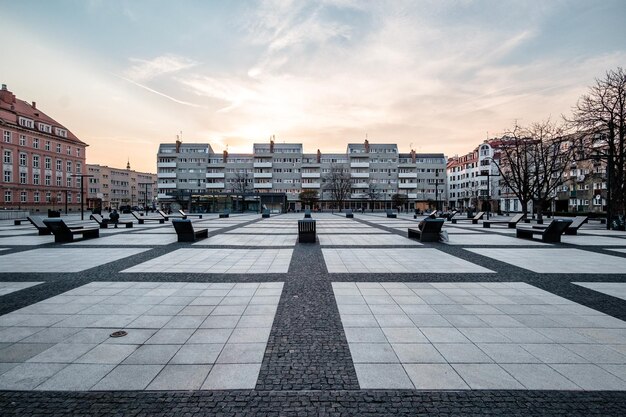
x=487, y=173
x=146, y=184
x=82, y=192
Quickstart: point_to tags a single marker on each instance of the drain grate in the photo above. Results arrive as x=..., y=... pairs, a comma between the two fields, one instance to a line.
x=119, y=333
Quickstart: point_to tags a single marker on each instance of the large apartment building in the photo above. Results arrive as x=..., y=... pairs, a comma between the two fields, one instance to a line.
x=274, y=175
x=42, y=161
x=114, y=187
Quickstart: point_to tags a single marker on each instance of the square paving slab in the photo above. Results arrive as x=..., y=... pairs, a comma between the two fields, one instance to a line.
x=128, y=239
x=397, y=260
x=63, y=259
x=557, y=261
x=365, y=240
x=180, y=336
x=9, y=287
x=615, y=289
x=249, y=240
x=218, y=261
x=474, y=335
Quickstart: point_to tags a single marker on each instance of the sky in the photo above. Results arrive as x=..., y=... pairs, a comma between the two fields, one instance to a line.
x=429, y=75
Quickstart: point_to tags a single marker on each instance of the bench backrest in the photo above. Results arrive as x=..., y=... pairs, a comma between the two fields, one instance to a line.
x=577, y=222
x=182, y=213
x=57, y=226
x=137, y=215
x=182, y=226
x=517, y=218
x=558, y=226
x=432, y=215
x=432, y=225
x=307, y=211
x=266, y=211
x=479, y=215
x=389, y=211
x=98, y=218
x=306, y=225
x=349, y=211
x=160, y=212
x=37, y=222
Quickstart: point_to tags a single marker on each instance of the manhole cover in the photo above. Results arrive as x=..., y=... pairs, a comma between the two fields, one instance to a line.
x=119, y=333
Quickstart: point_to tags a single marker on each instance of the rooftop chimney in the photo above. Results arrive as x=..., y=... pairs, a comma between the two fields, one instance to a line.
x=225, y=157
x=178, y=143
x=367, y=146
x=34, y=104
x=319, y=156
x=272, y=144
x=6, y=96
x=412, y=156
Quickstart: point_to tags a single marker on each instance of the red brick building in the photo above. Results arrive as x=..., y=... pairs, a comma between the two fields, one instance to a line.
x=40, y=159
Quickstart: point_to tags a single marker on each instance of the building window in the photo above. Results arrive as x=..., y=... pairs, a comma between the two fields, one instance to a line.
x=58, y=148
x=48, y=180
x=7, y=136
x=68, y=182
x=35, y=179
x=48, y=163
x=78, y=166
x=23, y=176
x=7, y=157
x=7, y=196
x=7, y=176
x=59, y=181
x=35, y=161
x=23, y=197
x=69, y=166
x=69, y=196
x=59, y=165
x=35, y=143
x=44, y=127
x=47, y=145
x=36, y=197
x=69, y=150
x=48, y=197
x=78, y=152
x=22, y=140
x=60, y=132
x=22, y=159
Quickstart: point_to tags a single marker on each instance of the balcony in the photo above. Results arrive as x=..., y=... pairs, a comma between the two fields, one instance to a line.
x=263, y=185
x=309, y=185
x=359, y=164
x=358, y=195
x=214, y=185
x=215, y=175
x=310, y=175
x=407, y=185
x=262, y=175
x=262, y=165
x=407, y=175
x=360, y=185
x=166, y=175
x=359, y=174
x=166, y=164
x=168, y=185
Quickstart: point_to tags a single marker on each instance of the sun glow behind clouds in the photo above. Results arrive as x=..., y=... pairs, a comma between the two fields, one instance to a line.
x=438, y=74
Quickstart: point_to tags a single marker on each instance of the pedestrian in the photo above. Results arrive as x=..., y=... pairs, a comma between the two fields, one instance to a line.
x=114, y=217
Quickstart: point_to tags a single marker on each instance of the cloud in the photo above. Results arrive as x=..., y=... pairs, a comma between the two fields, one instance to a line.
x=144, y=70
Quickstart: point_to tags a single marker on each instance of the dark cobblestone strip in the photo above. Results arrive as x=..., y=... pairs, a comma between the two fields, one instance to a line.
x=315, y=403
x=307, y=348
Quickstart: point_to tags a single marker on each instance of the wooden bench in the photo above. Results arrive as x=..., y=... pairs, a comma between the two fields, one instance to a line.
x=474, y=220
x=142, y=219
x=185, y=215
x=225, y=214
x=104, y=223
x=349, y=214
x=551, y=233
x=306, y=231
x=63, y=233
x=449, y=216
x=572, y=229
x=602, y=220
x=18, y=222
x=391, y=214
x=307, y=214
x=266, y=214
x=42, y=228
x=511, y=223
x=429, y=232
x=185, y=231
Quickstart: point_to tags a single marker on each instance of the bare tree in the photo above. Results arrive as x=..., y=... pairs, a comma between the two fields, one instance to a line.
x=551, y=156
x=241, y=183
x=337, y=183
x=601, y=114
x=516, y=165
x=309, y=198
x=373, y=192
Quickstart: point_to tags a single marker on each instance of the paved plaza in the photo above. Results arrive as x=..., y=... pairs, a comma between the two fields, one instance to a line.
x=364, y=322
